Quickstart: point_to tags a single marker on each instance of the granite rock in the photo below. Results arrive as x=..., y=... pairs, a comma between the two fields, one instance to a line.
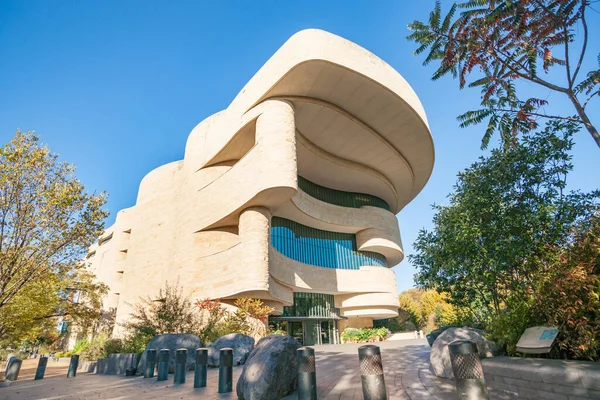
x=241, y=344
x=439, y=356
x=172, y=341
x=270, y=373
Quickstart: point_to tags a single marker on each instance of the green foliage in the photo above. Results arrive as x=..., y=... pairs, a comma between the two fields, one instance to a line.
x=113, y=346
x=506, y=211
x=80, y=345
x=5, y=353
x=94, y=349
x=47, y=222
x=569, y=294
x=394, y=324
x=495, y=45
x=507, y=326
x=364, y=335
x=428, y=309
x=501, y=247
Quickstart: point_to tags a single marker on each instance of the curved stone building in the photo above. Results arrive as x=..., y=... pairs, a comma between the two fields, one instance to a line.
x=288, y=195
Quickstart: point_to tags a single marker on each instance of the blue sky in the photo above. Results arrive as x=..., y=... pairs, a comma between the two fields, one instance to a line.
x=115, y=87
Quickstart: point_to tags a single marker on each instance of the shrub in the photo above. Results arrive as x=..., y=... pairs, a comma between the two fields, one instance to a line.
x=5, y=353
x=212, y=315
x=95, y=348
x=80, y=346
x=565, y=295
x=427, y=309
x=113, y=346
x=364, y=335
x=172, y=312
x=506, y=327
x=208, y=319
x=249, y=318
x=569, y=296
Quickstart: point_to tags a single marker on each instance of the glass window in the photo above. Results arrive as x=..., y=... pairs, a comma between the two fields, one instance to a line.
x=339, y=197
x=312, y=305
x=320, y=248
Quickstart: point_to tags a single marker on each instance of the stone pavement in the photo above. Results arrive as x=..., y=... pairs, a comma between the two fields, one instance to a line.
x=406, y=366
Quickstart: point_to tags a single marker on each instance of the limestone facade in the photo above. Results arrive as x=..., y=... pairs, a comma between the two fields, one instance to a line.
x=322, y=110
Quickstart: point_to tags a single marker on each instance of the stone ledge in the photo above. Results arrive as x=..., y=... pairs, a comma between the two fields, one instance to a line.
x=535, y=378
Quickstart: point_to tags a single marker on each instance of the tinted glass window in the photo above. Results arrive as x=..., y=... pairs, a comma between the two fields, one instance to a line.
x=320, y=248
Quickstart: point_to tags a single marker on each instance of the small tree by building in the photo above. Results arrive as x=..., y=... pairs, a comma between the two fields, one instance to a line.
x=47, y=222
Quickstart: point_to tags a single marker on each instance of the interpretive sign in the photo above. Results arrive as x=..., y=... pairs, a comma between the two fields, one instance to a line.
x=537, y=340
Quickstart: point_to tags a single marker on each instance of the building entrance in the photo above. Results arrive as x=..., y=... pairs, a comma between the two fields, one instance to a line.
x=307, y=332
x=310, y=320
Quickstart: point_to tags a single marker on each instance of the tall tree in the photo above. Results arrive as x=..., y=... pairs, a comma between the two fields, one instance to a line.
x=508, y=214
x=496, y=44
x=47, y=222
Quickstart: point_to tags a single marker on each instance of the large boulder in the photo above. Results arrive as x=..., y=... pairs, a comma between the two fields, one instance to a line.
x=241, y=344
x=435, y=333
x=172, y=342
x=439, y=356
x=270, y=373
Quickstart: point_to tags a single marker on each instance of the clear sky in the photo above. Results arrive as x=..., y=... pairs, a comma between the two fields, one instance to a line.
x=115, y=87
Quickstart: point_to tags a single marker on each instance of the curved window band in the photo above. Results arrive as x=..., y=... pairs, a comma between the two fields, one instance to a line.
x=320, y=248
x=339, y=197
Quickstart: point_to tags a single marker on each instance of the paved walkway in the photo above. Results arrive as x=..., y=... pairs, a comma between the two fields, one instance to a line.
x=406, y=366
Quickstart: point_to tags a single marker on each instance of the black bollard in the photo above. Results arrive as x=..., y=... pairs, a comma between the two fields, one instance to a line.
x=468, y=371
x=225, y=370
x=200, y=370
x=371, y=371
x=73, y=366
x=13, y=368
x=180, y=360
x=150, y=363
x=163, y=365
x=41, y=368
x=307, y=377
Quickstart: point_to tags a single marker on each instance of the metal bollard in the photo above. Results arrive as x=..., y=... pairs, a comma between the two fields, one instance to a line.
x=225, y=370
x=371, y=371
x=41, y=368
x=13, y=369
x=468, y=371
x=180, y=360
x=73, y=364
x=200, y=370
x=163, y=365
x=150, y=363
x=307, y=377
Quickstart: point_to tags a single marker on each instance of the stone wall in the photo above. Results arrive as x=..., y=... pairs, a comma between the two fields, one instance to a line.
x=116, y=364
x=535, y=378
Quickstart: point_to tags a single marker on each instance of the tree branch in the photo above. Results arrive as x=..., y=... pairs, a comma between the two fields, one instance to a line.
x=542, y=115
x=597, y=92
x=585, y=40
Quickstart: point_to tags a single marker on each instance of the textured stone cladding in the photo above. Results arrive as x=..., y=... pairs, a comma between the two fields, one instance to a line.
x=321, y=108
x=528, y=378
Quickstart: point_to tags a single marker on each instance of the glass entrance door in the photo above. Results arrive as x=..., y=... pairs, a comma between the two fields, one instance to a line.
x=326, y=332
x=311, y=332
x=296, y=331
